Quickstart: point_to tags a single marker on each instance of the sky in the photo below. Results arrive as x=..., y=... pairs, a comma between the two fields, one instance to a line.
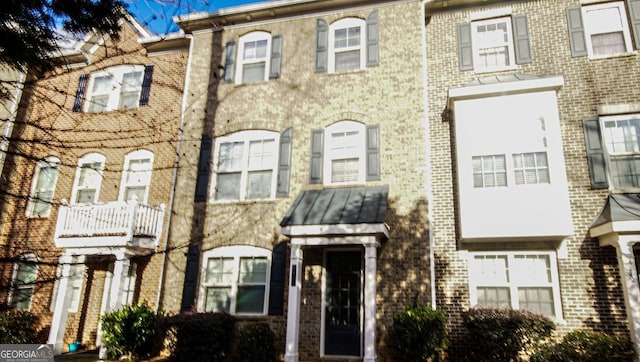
x=156, y=15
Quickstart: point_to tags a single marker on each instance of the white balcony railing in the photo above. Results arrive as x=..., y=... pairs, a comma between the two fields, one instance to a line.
x=124, y=220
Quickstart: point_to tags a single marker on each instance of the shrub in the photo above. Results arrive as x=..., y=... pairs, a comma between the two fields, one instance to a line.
x=502, y=334
x=419, y=333
x=129, y=331
x=18, y=327
x=255, y=343
x=588, y=346
x=199, y=336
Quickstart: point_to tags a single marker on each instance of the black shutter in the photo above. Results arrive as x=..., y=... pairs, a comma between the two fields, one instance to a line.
x=202, y=179
x=595, y=153
x=82, y=84
x=229, y=62
x=276, y=56
x=521, y=39
x=576, y=31
x=634, y=14
x=373, y=55
x=373, y=153
x=315, y=173
x=146, y=85
x=322, y=42
x=190, y=278
x=277, y=285
x=284, y=163
x=465, y=51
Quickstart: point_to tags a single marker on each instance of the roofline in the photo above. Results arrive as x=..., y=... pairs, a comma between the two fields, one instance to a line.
x=268, y=10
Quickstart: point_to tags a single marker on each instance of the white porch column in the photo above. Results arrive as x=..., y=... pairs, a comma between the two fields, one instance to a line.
x=63, y=302
x=630, y=285
x=293, y=304
x=370, y=258
x=118, y=278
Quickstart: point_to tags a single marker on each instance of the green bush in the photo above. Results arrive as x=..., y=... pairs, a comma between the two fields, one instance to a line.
x=420, y=333
x=586, y=346
x=129, y=331
x=255, y=343
x=199, y=336
x=503, y=334
x=18, y=327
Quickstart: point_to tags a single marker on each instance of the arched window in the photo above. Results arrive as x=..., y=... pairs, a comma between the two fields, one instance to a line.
x=43, y=187
x=136, y=178
x=254, y=57
x=86, y=187
x=347, y=45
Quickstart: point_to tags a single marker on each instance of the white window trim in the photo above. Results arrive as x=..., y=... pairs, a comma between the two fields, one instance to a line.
x=246, y=137
x=236, y=252
x=76, y=279
x=117, y=73
x=49, y=161
x=14, y=275
x=512, y=285
x=609, y=155
x=136, y=155
x=347, y=23
x=251, y=37
x=88, y=159
x=511, y=169
x=361, y=151
x=625, y=28
x=476, y=49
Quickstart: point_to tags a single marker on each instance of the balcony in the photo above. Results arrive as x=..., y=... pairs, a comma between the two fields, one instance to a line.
x=129, y=224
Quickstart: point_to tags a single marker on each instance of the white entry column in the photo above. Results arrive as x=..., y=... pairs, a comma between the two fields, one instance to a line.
x=370, y=260
x=118, y=278
x=630, y=285
x=293, y=304
x=62, y=304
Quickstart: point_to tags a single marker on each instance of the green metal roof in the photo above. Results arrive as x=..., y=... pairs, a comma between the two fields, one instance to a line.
x=345, y=205
x=619, y=207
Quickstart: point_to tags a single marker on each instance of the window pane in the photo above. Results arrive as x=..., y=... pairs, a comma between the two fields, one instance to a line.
x=490, y=269
x=135, y=191
x=493, y=44
x=98, y=103
x=129, y=100
x=494, y=297
x=537, y=300
x=250, y=299
x=531, y=168
x=219, y=271
x=346, y=170
x=90, y=175
x=253, y=270
x=253, y=72
x=132, y=81
x=230, y=156
x=23, y=285
x=259, y=184
x=139, y=172
x=86, y=196
x=47, y=177
x=261, y=154
x=489, y=171
x=218, y=299
x=347, y=60
x=531, y=269
x=228, y=186
x=255, y=50
x=103, y=84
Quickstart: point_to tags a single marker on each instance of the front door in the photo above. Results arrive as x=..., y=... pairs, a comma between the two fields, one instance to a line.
x=343, y=301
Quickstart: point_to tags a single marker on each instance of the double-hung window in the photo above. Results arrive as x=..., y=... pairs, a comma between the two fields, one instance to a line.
x=254, y=57
x=245, y=166
x=347, y=45
x=136, y=179
x=86, y=188
x=527, y=168
x=494, y=42
x=23, y=283
x=518, y=280
x=117, y=87
x=602, y=30
x=235, y=280
x=621, y=138
x=42, y=188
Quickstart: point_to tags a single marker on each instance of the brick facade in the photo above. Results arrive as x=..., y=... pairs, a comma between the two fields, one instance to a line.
x=46, y=126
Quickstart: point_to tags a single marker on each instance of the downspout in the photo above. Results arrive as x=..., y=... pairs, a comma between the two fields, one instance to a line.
x=428, y=176
x=175, y=168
